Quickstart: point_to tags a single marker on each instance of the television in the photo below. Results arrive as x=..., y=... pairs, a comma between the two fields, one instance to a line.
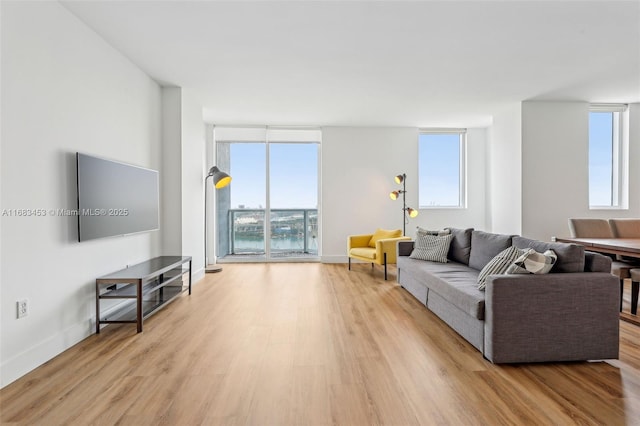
x=115, y=198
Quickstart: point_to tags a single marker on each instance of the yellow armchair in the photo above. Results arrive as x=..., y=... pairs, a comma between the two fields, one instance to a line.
x=377, y=248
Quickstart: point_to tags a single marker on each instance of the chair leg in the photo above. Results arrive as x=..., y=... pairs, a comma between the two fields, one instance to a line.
x=385, y=266
x=635, y=286
x=349, y=263
x=621, y=293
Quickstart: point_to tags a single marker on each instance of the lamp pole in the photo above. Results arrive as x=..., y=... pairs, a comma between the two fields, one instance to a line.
x=404, y=205
x=207, y=268
x=407, y=212
x=220, y=180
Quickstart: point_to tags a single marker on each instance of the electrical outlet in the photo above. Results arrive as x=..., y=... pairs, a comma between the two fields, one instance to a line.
x=23, y=308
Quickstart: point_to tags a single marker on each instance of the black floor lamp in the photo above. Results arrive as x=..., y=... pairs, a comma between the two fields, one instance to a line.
x=220, y=180
x=406, y=211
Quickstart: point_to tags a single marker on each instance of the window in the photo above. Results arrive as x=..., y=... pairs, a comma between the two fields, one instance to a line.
x=270, y=209
x=441, y=168
x=607, y=157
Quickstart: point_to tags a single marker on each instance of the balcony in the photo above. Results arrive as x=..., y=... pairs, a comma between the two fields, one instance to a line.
x=293, y=234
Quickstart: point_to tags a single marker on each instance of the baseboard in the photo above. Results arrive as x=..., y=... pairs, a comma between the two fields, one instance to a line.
x=32, y=358
x=197, y=276
x=334, y=259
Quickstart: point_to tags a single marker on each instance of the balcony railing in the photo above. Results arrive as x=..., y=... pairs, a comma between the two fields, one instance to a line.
x=293, y=232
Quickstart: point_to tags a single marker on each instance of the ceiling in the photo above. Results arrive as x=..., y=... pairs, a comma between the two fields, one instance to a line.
x=376, y=63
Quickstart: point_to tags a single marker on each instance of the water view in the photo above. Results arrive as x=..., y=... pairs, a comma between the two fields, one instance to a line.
x=292, y=232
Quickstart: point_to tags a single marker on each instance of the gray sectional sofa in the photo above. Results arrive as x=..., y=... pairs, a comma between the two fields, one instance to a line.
x=570, y=314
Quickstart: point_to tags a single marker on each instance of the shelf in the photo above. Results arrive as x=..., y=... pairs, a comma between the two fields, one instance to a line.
x=160, y=281
x=129, y=290
x=128, y=312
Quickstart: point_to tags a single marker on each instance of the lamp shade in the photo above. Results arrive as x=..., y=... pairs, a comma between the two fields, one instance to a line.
x=399, y=179
x=412, y=212
x=220, y=178
x=394, y=195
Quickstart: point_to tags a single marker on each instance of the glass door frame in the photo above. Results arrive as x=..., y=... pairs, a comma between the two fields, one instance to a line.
x=268, y=256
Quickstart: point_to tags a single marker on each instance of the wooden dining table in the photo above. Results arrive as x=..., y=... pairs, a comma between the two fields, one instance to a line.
x=629, y=247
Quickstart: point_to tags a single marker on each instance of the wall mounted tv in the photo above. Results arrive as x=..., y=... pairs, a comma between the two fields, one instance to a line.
x=115, y=198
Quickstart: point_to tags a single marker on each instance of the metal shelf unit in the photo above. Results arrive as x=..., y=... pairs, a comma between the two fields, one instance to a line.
x=149, y=285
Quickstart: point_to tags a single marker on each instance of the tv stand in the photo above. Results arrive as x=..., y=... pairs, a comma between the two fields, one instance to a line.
x=150, y=285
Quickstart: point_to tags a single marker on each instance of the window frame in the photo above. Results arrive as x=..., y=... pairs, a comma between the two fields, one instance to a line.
x=268, y=136
x=620, y=157
x=462, y=167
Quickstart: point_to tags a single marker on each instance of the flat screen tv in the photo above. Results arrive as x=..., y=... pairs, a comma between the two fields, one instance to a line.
x=115, y=198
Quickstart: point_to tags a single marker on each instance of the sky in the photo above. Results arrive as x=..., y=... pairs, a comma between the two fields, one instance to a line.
x=600, y=158
x=293, y=169
x=439, y=169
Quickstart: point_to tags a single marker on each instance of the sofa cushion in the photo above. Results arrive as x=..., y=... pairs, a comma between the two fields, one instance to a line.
x=453, y=281
x=485, y=246
x=431, y=247
x=532, y=262
x=460, y=247
x=570, y=256
x=498, y=265
x=381, y=234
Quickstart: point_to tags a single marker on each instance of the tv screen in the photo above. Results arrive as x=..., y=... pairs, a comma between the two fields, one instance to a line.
x=115, y=198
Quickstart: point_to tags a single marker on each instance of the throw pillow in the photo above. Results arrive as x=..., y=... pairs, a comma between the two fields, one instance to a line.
x=570, y=256
x=498, y=265
x=431, y=247
x=485, y=246
x=422, y=231
x=460, y=248
x=381, y=234
x=532, y=262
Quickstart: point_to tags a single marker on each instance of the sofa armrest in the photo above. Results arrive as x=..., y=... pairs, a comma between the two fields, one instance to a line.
x=405, y=248
x=596, y=262
x=553, y=317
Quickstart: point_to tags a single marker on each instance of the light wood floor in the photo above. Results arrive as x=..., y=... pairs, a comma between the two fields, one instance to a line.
x=311, y=344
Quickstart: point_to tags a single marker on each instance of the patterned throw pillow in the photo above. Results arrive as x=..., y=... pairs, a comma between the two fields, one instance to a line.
x=532, y=262
x=498, y=265
x=431, y=247
x=440, y=233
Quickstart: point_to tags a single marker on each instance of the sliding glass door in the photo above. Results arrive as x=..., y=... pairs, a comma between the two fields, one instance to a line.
x=270, y=209
x=248, y=198
x=293, y=199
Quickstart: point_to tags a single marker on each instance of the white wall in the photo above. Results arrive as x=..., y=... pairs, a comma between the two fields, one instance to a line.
x=63, y=90
x=358, y=167
x=182, y=177
x=504, y=171
x=555, y=155
x=193, y=174
x=170, y=178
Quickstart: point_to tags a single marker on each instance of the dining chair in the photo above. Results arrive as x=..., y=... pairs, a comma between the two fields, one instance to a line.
x=635, y=288
x=625, y=228
x=590, y=228
x=629, y=228
x=601, y=228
